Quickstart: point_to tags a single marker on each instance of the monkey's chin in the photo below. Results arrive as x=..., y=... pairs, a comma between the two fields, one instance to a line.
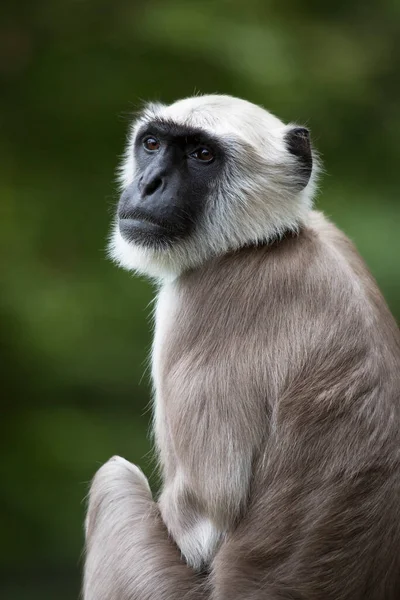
x=144, y=252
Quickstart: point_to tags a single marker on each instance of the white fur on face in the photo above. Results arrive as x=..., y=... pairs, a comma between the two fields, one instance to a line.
x=256, y=200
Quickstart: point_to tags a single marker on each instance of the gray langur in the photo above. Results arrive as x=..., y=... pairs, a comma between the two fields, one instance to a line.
x=276, y=367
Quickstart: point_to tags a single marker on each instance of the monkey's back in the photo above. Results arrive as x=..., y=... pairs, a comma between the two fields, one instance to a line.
x=296, y=345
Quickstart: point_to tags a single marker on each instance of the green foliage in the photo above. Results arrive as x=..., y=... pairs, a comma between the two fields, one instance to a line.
x=76, y=331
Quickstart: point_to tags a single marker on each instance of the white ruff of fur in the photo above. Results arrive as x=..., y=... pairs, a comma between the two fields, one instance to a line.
x=256, y=200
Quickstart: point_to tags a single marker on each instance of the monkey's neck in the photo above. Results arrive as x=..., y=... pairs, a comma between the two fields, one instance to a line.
x=276, y=240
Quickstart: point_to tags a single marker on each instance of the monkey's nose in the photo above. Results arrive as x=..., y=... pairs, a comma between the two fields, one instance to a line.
x=149, y=187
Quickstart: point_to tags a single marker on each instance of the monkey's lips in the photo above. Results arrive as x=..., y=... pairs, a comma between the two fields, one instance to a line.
x=144, y=230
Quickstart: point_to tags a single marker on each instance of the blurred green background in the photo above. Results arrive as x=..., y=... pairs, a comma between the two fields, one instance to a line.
x=75, y=330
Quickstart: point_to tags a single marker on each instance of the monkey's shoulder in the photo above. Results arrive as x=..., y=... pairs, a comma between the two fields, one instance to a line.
x=316, y=258
x=314, y=276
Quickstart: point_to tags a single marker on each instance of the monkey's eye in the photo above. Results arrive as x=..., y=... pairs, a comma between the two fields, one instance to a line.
x=151, y=144
x=203, y=154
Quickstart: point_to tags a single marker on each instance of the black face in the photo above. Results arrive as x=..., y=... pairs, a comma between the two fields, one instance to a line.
x=176, y=167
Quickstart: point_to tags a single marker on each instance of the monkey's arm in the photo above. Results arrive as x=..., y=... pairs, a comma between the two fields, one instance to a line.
x=210, y=418
x=128, y=553
x=208, y=490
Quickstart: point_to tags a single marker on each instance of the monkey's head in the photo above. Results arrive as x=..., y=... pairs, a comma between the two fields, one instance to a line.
x=205, y=176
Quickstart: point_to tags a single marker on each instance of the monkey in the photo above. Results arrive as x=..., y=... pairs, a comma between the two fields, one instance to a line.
x=276, y=372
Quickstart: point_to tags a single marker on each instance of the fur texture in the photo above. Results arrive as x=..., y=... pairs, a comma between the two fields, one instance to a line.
x=276, y=368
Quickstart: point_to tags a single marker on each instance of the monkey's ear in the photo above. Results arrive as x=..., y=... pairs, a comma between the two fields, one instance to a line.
x=298, y=143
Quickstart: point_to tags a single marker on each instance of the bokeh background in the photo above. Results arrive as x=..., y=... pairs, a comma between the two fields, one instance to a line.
x=75, y=330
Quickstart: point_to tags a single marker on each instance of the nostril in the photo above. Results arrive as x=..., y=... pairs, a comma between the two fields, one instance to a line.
x=150, y=187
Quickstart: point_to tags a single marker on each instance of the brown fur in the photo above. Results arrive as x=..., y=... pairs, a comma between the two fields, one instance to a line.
x=277, y=374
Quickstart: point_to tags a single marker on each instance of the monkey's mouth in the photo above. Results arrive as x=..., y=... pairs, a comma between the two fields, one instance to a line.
x=143, y=229
x=139, y=217
x=139, y=226
x=130, y=228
